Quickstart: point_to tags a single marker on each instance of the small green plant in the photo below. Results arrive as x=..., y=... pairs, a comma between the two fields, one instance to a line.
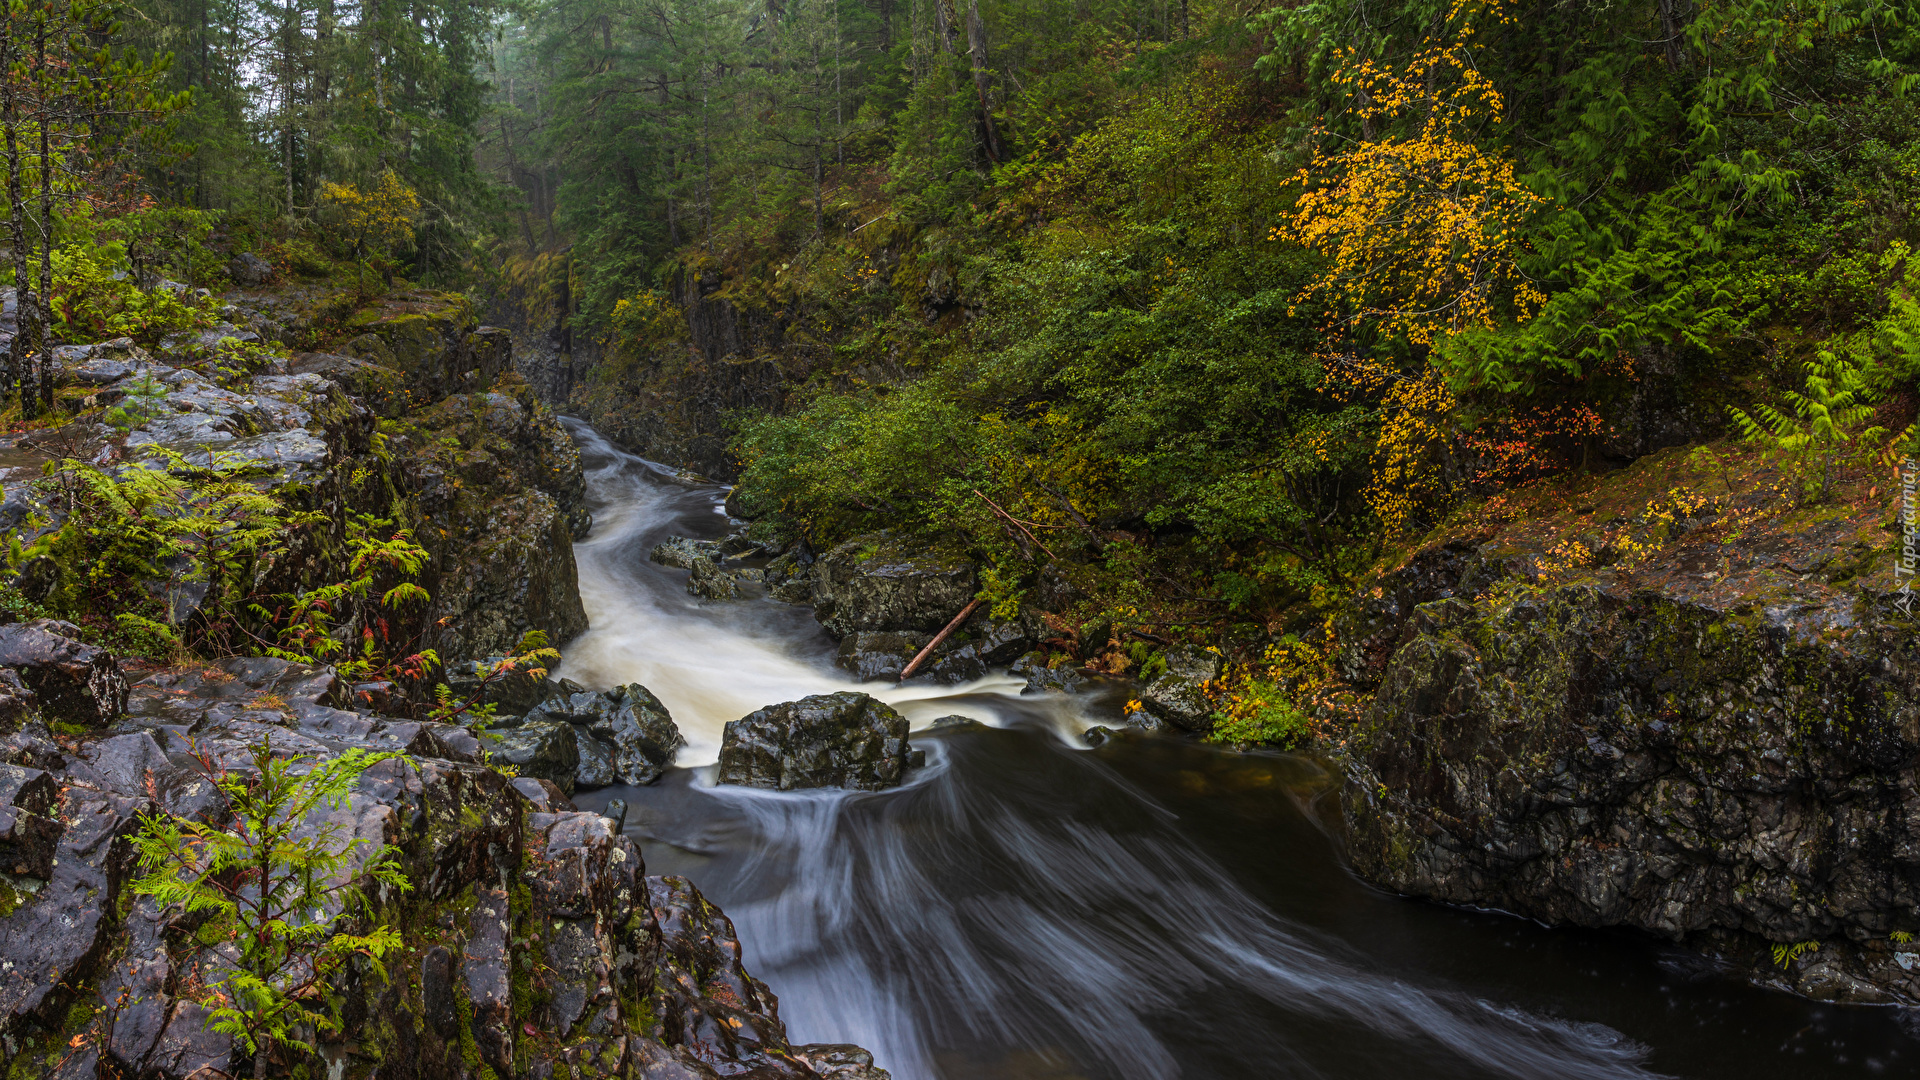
x=1810, y=441
x=1784, y=954
x=278, y=892
x=1257, y=711
x=530, y=660
x=307, y=622
x=146, y=400
x=1900, y=937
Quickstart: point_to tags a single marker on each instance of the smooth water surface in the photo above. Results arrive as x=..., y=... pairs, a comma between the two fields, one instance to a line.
x=1024, y=908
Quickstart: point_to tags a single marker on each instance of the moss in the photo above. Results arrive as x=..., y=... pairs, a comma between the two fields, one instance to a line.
x=10, y=898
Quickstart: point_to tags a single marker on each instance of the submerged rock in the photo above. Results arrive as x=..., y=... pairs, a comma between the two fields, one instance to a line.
x=847, y=740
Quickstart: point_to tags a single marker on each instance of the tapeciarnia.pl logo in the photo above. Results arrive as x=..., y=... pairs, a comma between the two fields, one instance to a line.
x=1908, y=564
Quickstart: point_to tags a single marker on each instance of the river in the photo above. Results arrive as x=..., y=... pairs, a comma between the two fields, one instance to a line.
x=1025, y=908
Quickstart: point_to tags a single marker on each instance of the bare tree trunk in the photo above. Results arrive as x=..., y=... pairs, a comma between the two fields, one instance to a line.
x=1674, y=17
x=44, y=315
x=20, y=350
x=977, y=49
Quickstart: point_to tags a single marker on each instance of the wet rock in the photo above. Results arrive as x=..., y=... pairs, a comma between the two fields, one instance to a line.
x=596, y=763
x=879, y=654
x=74, y=682
x=544, y=796
x=709, y=582
x=839, y=1061
x=29, y=827
x=544, y=749
x=789, y=580
x=1042, y=679
x=599, y=929
x=1179, y=696
x=487, y=970
x=708, y=1004
x=847, y=740
x=18, y=703
x=227, y=688
x=981, y=646
x=249, y=271
x=957, y=721
x=682, y=552
x=628, y=728
x=1097, y=735
x=883, y=583
x=512, y=692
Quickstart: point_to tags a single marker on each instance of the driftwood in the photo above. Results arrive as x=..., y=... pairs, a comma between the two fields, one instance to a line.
x=920, y=657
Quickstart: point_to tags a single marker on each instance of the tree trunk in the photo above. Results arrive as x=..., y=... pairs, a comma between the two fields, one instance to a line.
x=977, y=50
x=43, y=316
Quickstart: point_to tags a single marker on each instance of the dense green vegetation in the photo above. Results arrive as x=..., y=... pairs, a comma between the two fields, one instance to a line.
x=1209, y=307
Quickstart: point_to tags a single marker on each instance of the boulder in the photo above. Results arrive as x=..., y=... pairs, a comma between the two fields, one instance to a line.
x=682, y=552
x=627, y=732
x=1180, y=695
x=29, y=824
x=847, y=740
x=74, y=682
x=1042, y=679
x=883, y=583
x=249, y=271
x=709, y=582
x=545, y=750
x=879, y=654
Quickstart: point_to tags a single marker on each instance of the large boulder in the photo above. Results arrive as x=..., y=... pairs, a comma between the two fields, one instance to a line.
x=882, y=583
x=846, y=740
x=75, y=683
x=626, y=735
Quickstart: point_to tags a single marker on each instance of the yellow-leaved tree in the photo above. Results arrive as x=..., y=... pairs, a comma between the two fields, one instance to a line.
x=1422, y=229
x=378, y=217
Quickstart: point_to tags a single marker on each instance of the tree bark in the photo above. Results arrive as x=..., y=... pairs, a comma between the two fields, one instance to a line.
x=977, y=50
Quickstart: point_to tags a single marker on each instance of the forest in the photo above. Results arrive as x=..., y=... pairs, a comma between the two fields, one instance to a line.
x=1234, y=501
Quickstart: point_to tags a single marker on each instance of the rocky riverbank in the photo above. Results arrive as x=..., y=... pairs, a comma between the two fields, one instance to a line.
x=533, y=942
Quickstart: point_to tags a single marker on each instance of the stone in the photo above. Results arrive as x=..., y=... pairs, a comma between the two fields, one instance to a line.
x=545, y=749
x=543, y=795
x=1179, y=696
x=74, y=682
x=709, y=582
x=879, y=654
x=880, y=583
x=637, y=732
x=1042, y=679
x=682, y=552
x=1098, y=735
x=249, y=271
x=847, y=740
x=962, y=723
x=596, y=763
x=29, y=827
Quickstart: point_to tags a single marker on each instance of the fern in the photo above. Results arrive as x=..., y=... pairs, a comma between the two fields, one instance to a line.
x=1808, y=440
x=278, y=892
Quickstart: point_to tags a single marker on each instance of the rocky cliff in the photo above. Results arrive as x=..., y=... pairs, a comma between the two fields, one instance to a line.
x=1644, y=707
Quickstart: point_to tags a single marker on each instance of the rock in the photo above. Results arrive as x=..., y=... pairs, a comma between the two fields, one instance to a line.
x=682, y=552
x=1042, y=679
x=789, y=580
x=959, y=722
x=880, y=583
x=879, y=654
x=710, y=582
x=513, y=692
x=596, y=763
x=982, y=645
x=1180, y=695
x=74, y=682
x=1142, y=720
x=249, y=271
x=542, y=794
x=616, y=812
x=545, y=750
x=839, y=1061
x=29, y=826
x=18, y=703
x=1097, y=735
x=847, y=740
x=638, y=734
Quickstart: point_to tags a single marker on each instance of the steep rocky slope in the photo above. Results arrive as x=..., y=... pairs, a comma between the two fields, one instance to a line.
x=1694, y=716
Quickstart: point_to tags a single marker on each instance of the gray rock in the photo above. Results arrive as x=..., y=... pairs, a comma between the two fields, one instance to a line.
x=844, y=740
x=879, y=654
x=249, y=271
x=1042, y=679
x=546, y=750
x=630, y=725
x=596, y=762
x=1179, y=696
x=880, y=583
x=73, y=681
x=29, y=824
x=709, y=582
x=682, y=552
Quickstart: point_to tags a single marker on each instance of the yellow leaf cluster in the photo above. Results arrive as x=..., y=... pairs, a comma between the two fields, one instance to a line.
x=1422, y=226
x=381, y=214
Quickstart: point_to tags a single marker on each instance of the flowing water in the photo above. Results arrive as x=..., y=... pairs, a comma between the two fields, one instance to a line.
x=1025, y=908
